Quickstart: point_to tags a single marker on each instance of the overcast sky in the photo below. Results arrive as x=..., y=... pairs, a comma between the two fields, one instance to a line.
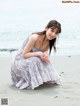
x=22, y=14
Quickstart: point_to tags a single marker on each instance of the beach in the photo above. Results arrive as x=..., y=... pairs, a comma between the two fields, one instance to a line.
x=18, y=20
x=66, y=94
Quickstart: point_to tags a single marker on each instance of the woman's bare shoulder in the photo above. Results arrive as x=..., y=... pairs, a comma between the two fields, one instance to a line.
x=34, y=37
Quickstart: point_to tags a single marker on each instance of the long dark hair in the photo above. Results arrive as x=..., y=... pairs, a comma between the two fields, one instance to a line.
x=52, y=24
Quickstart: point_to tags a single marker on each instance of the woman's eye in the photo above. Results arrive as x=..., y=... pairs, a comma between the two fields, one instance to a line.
x=52, y=30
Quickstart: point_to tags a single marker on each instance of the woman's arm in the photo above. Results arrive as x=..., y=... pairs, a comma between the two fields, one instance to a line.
x=30, y=44
x=45, y=56
x=31, y=54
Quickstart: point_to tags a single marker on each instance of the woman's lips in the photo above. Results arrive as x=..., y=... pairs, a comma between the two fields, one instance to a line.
x=51, y=37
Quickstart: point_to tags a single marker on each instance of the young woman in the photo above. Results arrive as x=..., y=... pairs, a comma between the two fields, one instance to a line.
x=31, y=66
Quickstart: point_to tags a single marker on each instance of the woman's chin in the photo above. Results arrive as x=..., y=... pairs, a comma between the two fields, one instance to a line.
x=49, y=38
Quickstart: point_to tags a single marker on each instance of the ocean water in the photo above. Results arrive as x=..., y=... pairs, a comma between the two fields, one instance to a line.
x=19, y=18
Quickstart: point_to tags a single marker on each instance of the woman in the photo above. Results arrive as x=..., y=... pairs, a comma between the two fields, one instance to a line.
x=31, y=66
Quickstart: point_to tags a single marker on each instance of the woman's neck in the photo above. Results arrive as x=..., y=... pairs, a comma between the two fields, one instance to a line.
x=45, y=38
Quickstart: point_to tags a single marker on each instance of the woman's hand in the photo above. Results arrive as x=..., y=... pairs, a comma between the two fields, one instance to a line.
x=45, y=57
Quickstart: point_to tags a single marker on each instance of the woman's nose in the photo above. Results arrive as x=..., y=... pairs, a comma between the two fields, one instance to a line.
x=53, y=34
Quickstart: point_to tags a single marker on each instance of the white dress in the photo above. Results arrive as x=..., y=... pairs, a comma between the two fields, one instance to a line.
x=32, y=71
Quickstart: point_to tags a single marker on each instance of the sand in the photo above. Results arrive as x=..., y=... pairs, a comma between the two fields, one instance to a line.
x=67, y=94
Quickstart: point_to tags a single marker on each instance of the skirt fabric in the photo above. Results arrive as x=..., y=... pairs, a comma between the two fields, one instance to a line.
x=32, y=70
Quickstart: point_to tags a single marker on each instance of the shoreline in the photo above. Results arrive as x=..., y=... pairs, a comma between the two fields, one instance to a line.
x=12, y=53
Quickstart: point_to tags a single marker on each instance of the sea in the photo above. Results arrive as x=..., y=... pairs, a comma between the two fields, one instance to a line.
x=20, y=18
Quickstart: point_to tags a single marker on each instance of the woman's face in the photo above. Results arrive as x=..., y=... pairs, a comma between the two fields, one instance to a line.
x=51, y=33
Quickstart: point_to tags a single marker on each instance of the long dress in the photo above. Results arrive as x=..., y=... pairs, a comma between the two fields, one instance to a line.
x=32, y=70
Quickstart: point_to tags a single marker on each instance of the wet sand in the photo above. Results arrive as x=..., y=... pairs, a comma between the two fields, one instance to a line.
x=66, y=94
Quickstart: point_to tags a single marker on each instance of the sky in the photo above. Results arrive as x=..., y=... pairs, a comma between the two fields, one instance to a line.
x=16, y=15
